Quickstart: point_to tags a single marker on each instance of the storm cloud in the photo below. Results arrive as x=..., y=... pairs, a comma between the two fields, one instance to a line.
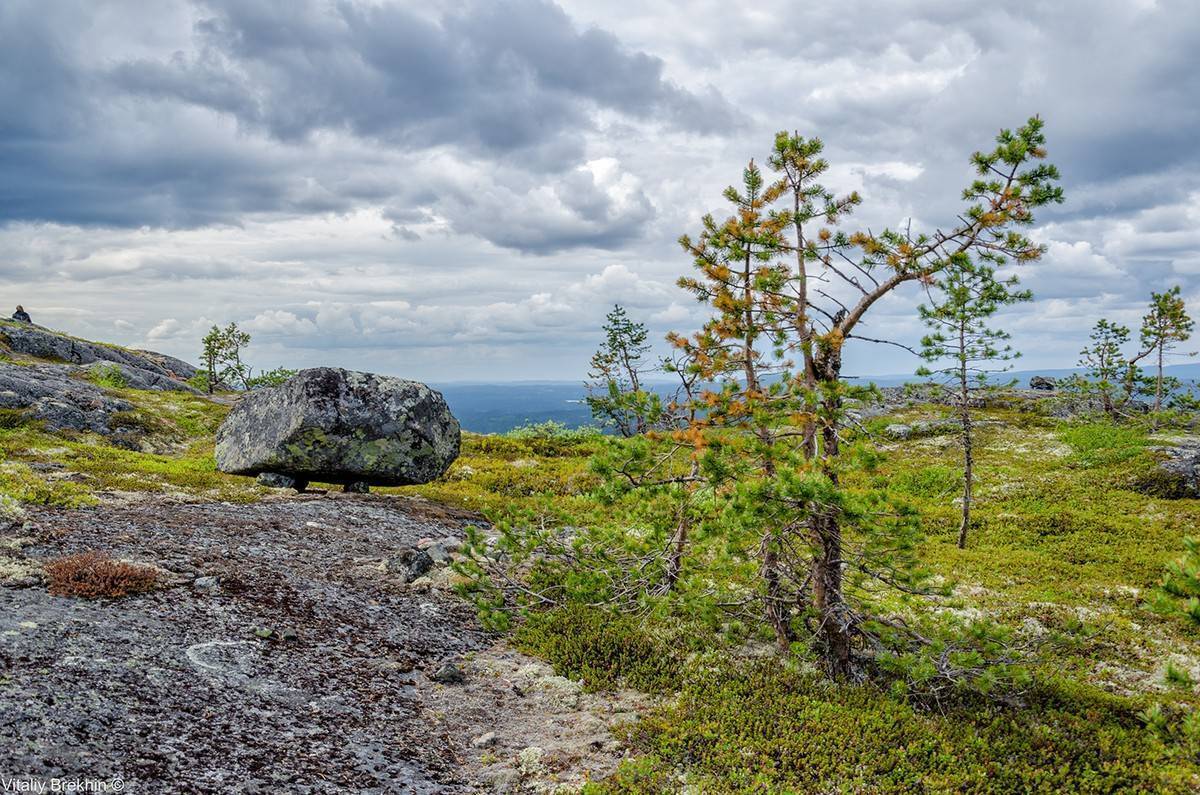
x=461, y=190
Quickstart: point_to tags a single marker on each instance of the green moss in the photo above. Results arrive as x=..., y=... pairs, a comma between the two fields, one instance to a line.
x=762, y=727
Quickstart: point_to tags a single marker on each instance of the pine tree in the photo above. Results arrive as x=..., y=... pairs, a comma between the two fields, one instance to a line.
x=775, y=341
x=1109, y=373
x=221, y=353
x=1165, y=326
x=615, y=393
x=968, y=295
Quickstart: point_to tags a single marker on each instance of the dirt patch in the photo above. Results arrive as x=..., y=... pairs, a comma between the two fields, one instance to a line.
x=531, y=730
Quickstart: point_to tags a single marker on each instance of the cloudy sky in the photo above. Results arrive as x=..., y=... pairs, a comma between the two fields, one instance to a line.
x=461, y=190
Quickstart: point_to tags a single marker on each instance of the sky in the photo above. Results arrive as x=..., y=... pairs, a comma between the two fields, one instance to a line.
x=461, y=190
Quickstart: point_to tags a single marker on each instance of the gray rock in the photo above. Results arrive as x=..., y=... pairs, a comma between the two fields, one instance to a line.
x=45, y=344
x=274, y=480
x=484, y=740
x=50, y=395
x=1042, y=383
x=449, y=674
x=208, y=583
x=357, y=487
x=410, y=563
x=438, y=554
x=1177, y=471
x=339, y=426
x=136, y=378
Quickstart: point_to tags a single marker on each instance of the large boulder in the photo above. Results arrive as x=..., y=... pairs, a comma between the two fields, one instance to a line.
x=1043, y=383
x=338, y=426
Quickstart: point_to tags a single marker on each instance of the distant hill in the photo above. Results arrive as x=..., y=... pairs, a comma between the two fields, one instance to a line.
x=500, y=407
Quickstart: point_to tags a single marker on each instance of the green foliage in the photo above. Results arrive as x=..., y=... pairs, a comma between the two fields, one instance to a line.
x=1179, y=592
x=109, y=375
x=201, y=382
x=614, y=387
x=1110, y=375
x=221, y=354
x=554, y=431
x=968, y=294
x=1165, y=326
x=270, y=378
x=604, y=650
x=1104, y=443
x=742, y=727
x=14, y=418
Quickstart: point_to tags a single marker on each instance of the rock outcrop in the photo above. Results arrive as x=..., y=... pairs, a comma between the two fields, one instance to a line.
x=1177, y=471
x=48, y=393
x=338, y=426
x=59, y=381
x=44, y=344
x=1042, y=383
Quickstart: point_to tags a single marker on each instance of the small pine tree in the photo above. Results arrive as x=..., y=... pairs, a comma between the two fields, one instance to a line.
x=213, y=346
x=615, y=393
x=1165, y=326
x=1109, y=373
x=221, y=353
x=969, y=294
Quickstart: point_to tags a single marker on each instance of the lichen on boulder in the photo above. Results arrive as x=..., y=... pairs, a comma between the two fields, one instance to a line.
x=339, y=426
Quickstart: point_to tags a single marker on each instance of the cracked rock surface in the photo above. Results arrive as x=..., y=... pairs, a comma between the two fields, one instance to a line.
x=299, y=668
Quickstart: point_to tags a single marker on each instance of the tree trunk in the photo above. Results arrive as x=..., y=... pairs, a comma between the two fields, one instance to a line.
x=836, y=625
x=680, y=539
x=964, y=407
x=1158, y=384
x=968, y=472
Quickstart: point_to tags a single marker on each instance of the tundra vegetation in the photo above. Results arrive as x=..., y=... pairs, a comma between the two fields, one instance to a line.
x=782, y=574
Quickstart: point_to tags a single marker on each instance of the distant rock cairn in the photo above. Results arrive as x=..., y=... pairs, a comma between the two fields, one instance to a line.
x=1042, y=383
x=337, y=426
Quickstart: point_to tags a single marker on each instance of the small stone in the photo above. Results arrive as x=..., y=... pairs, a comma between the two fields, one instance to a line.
x=421, y=584
x=504, y=780
x=206, y=583
x=410, y=563
x=449, y=674
x=274, y=480
x=484, y=740
x=289, y=634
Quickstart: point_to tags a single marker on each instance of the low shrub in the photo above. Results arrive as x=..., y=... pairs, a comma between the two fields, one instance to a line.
x=1104, y=443
x=94, y=575
x=13, y=418
x=109, y=375
x=763, y=726
x=604, y=650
